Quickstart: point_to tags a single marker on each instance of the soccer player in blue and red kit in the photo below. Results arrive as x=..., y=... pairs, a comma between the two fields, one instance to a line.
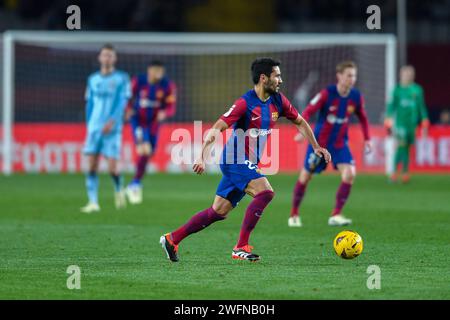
x=154, y=101
x=254, y=114
x=335, y=105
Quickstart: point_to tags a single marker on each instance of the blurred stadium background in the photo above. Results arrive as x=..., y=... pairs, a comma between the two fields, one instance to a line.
x=50, y=75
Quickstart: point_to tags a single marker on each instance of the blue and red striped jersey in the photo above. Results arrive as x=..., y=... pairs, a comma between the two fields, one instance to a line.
x=331, y=129
x=149, y=99
x=252, y=120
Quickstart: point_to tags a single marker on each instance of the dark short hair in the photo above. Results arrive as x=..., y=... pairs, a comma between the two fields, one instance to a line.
x=263, y=66
x=156, y=63
x=108, y=46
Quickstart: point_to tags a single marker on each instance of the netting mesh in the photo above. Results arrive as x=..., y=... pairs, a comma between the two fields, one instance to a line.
x=50, y=78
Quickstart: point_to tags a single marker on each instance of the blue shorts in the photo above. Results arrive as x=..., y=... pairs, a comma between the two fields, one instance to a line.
x=108, y=145
x=316, y=164
x=235, y=179
x=145, y=135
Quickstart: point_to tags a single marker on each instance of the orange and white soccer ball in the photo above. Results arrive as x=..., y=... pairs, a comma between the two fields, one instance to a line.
x=348, y=244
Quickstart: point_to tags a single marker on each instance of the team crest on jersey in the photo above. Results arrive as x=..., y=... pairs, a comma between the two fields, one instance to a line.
x=159, y=94
x=274, y=116
x=351, y=108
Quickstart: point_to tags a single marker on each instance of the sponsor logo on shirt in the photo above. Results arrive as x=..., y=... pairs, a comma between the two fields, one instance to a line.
x=147, y=103
x=255, y=133
x=406, y=103
x=331, y=118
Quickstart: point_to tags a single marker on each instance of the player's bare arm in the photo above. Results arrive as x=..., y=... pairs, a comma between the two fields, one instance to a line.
x=108, y=127
x=129, y=111
x=305, y=129
x=128, y=114
x=363, y=119
x=313, y=106
x=161, y=116
x=368, y=146
x=199, y=164
x=299, y=137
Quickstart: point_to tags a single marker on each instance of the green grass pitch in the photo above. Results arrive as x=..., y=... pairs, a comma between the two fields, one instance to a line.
x=405, y=228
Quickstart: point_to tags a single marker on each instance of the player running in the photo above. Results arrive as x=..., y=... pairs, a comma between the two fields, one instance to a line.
x=154, y=101
x=107, y=94
x=405, y=112
x=335, y=105
x=256, y=112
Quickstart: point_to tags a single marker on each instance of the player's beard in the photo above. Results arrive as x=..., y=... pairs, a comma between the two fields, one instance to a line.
x=271, y=88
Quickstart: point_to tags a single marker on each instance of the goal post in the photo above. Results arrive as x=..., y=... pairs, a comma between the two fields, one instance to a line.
x=8, y=102
x=44, y=72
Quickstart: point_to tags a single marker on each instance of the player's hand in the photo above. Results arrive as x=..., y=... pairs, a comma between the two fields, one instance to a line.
x=389, y=131
x=161, y=116
x=322, y=152
x=388, y=122
x=368, y=148
x=388, y=126
x=299, y=137
x=424, y=132
x=128, y=114
x=108, y=127
x=199, y=166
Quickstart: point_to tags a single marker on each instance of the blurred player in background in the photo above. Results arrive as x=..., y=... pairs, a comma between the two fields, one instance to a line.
x=107, y=94
x=154, y=101
x=256, y=112
x=335, y=105
x=404, y=113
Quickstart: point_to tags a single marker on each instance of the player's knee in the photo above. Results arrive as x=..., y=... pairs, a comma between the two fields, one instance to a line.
x=222, y=210
x=147, y=149
x=266, y=195
x=143, y=149
x=144, y=154
x=93, y=167
x=148, y=153
x=349, y=175
x=304, y=177
x=139, y=151
x=350, y=178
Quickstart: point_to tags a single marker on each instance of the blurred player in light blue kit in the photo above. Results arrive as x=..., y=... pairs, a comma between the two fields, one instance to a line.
x=107, y=94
